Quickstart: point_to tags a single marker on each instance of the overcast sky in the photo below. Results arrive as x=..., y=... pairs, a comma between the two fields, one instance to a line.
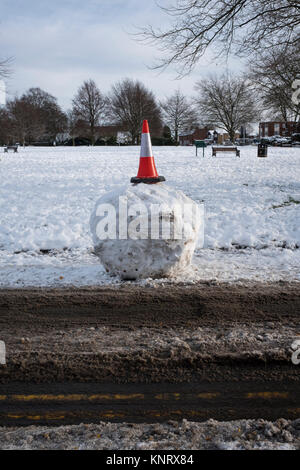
x=57, y=44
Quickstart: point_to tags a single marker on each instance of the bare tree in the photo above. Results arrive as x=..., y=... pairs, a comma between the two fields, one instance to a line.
x=273, y=73
x=25, y=121
x=6, y=131
x=178, y=113
x=242, y=26
x=35, y=116
x=131, y=103
x=228, y=102
x=76, y=126
x=90, y=105
x=50, y=113
x=72, y=125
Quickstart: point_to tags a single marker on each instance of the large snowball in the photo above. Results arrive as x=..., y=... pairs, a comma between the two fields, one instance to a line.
x=142, y=230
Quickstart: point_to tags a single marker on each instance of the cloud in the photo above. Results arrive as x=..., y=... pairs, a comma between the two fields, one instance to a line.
x=57, y=45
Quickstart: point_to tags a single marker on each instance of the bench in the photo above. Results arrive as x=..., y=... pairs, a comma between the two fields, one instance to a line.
x=225, y=149
x=11, y=147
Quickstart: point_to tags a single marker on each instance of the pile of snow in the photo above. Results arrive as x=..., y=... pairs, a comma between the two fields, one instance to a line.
x=154, y=230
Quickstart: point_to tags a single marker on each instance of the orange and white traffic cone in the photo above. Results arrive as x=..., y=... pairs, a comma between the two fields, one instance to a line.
x=147, y=171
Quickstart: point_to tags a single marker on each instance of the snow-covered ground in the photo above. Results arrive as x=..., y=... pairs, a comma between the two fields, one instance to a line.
x=252, y=224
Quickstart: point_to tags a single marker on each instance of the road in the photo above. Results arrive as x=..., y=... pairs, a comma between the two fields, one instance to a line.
x=61, y=404
x=145, y=354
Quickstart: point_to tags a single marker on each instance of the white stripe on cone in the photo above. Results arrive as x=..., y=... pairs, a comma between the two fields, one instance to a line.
x=146, y=147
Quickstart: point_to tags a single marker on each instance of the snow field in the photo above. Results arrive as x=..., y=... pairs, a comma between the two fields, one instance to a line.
x=252, y=211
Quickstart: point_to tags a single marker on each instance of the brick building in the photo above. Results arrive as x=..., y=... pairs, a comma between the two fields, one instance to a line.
x=188, y=137
x=268, y=129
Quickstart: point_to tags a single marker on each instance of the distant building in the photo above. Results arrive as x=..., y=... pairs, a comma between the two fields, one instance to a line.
x=188, y=137
x=270, y=128
x=217, y=136
x=223, y=136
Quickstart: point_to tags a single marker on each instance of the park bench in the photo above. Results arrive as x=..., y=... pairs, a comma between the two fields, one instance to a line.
x=225, y=149
x=11, y=147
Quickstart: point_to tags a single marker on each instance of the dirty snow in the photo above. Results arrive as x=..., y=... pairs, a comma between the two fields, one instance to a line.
x=185, y=435
x=252, y=229
x=259, y=340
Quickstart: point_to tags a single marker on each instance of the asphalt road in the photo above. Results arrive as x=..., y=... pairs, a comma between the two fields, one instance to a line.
x=61, y=404
x=49, y=379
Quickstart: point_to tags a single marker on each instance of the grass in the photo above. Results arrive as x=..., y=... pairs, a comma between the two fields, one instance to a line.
x=287, y=203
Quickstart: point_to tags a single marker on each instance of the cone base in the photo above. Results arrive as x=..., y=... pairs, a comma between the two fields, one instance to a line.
x=157, y=179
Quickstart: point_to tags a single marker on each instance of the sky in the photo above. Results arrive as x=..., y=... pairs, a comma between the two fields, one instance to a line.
x=57, y=44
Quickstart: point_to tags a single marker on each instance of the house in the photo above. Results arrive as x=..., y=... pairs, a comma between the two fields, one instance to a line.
x=188, y=137
x=223, y=136
x=286, y=129
x=217, y=136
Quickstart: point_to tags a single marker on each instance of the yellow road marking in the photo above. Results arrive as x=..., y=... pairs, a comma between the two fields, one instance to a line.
x=97, y=396
x=167, y=396
x=134, y=396
x=110, y=414
x=129, y=397
x=60, y=416
x=267, y=395
x=76, y=397
x=295, y=411
x=177, y=396
x=208, y=396
x=35, y=417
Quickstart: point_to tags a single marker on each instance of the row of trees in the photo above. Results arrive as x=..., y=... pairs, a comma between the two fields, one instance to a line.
x=36, y=116
x=33, y=116
x=128, y=104
x=227, y=101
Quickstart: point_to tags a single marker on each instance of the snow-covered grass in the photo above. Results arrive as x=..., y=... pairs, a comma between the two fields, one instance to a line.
x=252, y=208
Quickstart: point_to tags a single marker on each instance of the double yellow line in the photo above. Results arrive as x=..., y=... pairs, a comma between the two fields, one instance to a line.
x=72, y=397
x=136, y=396
x=64, y=415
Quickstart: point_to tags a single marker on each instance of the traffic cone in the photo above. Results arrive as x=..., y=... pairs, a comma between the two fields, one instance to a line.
x=147, y=171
